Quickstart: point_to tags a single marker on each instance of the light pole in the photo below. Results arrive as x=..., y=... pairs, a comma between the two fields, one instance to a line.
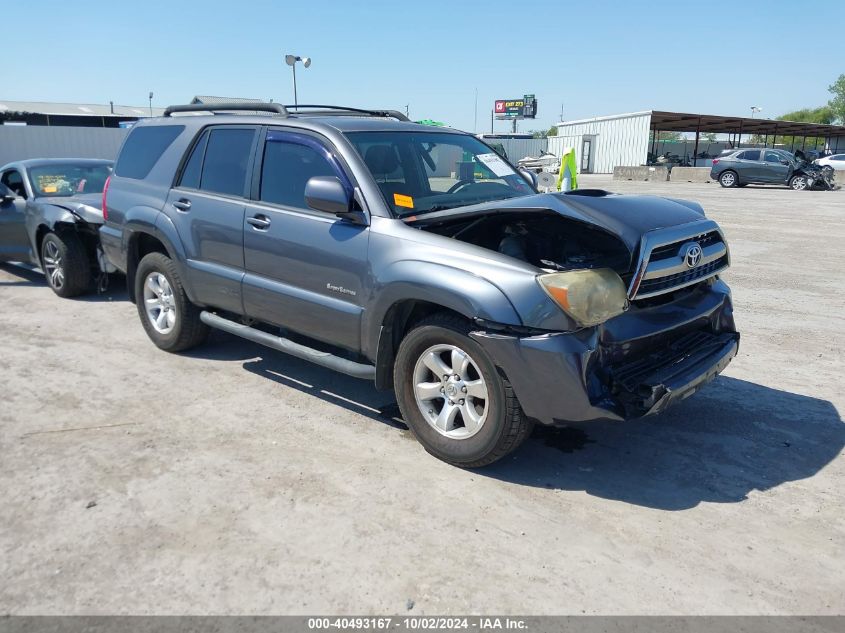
x=151, y=102
x=755, y=110
x=291, y=60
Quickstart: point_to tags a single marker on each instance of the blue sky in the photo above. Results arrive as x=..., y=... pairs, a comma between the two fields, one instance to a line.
x=594, y=57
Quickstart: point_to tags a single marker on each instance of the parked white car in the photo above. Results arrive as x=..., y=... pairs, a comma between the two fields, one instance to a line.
x=834, y=161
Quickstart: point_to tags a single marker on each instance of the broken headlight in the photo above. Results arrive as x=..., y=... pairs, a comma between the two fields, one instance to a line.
x=589, y=296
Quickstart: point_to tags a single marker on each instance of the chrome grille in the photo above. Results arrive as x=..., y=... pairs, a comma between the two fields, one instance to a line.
x=662, y=267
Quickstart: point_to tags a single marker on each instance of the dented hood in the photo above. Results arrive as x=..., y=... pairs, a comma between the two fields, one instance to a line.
x=88, y=206
x=627, y=217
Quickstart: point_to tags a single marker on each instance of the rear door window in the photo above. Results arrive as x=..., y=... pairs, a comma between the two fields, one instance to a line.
x=226, y=160
x=193, y=168
x=143, y=148
x=750, y=154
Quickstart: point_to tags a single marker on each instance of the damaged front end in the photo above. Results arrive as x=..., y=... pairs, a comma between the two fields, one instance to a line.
x=673, y=331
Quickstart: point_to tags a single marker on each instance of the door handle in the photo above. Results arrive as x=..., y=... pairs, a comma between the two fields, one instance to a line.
x=260, y=222
x=183, y=204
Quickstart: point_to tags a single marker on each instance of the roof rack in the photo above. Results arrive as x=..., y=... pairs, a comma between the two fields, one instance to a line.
x=282, y=110
x=341, y=110
x=275, y=108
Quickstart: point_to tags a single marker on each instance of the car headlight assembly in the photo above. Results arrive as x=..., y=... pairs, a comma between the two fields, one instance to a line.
x=590, y=296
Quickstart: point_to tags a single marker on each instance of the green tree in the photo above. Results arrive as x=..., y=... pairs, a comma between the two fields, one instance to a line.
x=837, y=103
x=824, y=114
x=552, y=131
x=667, y=136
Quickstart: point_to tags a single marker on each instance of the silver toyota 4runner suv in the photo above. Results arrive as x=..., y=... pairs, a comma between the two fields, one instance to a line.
x=419, y=258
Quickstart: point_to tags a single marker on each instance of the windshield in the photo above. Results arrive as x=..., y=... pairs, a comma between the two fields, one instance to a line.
x=422, y=172
x=68, y=179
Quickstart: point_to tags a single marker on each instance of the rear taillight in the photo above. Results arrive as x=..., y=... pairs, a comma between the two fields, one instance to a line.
x=715, y=162
x=105, y=191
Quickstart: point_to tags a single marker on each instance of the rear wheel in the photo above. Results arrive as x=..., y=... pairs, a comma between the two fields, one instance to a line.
x=170, y=319
x=453, y=398
x=798, y=183
x=66, y=264
x=728, y=179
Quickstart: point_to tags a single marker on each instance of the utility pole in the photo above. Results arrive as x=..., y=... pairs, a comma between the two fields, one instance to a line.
x=407, y=110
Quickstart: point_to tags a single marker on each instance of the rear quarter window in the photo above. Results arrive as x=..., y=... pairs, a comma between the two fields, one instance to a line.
x=143, y=148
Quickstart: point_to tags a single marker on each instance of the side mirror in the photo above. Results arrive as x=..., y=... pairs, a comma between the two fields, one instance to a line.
x=6, y=195
x=530, y=176
x=327, y=194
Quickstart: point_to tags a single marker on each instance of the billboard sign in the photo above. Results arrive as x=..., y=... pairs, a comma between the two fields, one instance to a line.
x=524, y=108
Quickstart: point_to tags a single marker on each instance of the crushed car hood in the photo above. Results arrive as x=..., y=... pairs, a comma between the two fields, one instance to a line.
x=87, y=206
x=627, y=217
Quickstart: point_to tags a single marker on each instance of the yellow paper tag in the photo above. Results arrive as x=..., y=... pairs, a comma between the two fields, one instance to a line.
x=403, y=201
x=51, y=189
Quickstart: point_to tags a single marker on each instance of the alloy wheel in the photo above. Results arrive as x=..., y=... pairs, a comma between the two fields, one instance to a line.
x=53, y=265
x=450, y=391
x=159, y=303
x=728, y=179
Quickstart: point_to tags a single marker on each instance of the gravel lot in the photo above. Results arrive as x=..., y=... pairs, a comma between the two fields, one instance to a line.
x=238, y=480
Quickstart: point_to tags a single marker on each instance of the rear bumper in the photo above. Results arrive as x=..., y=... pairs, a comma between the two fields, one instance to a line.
x=634, y=365
x=111, y=240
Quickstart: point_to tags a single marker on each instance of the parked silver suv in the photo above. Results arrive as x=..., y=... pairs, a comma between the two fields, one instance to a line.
x=425, y=262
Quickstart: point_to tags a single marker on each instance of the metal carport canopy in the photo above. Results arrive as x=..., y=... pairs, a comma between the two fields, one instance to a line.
x=686, y=122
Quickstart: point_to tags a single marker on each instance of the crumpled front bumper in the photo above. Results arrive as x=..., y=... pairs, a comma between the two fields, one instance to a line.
x=634, y=365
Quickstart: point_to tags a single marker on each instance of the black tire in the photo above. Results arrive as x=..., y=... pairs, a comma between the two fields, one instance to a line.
x=728, y=179
x=65, y=263
x=794, y=183
x=187, y=330
x=505, y=426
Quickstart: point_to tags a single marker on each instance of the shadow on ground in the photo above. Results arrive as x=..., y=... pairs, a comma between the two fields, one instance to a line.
x=30, y=276
x=26, y=276
x=731, y=438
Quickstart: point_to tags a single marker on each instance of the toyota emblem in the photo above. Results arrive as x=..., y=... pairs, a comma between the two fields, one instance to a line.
x=692, y=254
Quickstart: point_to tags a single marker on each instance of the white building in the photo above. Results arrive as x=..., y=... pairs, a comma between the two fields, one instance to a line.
x=603, y=142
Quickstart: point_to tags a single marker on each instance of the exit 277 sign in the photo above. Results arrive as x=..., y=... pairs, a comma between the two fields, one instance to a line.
x=525, y=108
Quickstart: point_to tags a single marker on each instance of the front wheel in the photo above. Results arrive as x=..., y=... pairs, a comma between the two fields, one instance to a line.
x=170, y=319
x=728, y=179
x=798, y=183
x=65, y=263
x=453, y=398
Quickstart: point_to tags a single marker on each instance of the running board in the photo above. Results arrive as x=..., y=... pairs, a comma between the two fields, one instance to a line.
x=324, y=359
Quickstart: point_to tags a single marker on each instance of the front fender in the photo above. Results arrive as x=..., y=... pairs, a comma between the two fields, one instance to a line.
x=47, y=216
x=453, y=288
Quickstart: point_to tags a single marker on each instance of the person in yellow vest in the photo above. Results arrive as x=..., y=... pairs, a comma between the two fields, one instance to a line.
x=567, y=179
